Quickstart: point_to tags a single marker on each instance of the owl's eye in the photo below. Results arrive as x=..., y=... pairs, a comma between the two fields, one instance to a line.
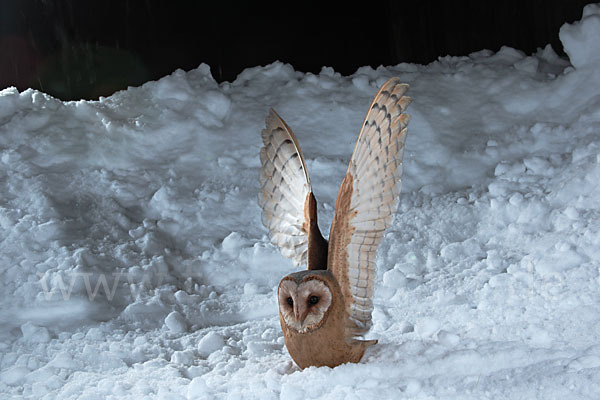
x=290, y=301
x=312, y=300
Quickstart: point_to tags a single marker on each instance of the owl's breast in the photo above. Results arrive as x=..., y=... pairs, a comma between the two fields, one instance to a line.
x=325, y=346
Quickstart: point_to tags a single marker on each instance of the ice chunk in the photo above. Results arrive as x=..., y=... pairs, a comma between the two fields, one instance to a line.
x=210, y=343
x=183, y=357
x=36, y=334
x=176, y=322
x=14, y=376
x=232, y=243
x=217, y=103
x=580, y=39
x=394, y=278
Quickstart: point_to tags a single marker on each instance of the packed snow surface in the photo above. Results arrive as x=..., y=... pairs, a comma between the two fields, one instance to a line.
x=134, y=263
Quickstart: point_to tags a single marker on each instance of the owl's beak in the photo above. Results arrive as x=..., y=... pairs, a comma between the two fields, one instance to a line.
x=300, y=314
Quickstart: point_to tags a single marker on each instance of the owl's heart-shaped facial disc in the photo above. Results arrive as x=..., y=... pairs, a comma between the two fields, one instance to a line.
x=304, y=305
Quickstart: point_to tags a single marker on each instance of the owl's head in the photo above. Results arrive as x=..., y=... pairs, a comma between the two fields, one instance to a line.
x=304, y=299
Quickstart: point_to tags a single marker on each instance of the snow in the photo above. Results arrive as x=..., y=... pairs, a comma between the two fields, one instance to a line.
x=209, y=344
x=580, y=39
x=134, y=263
x=175, y=322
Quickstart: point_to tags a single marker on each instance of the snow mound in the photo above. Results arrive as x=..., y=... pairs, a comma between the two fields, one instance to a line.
x=580, y=39
x=134, y=263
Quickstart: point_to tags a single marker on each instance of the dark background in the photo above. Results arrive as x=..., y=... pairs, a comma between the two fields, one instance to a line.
x=89, y=48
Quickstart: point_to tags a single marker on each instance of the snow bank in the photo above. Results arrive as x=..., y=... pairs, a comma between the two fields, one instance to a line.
x=134, y=264
x=580, y=39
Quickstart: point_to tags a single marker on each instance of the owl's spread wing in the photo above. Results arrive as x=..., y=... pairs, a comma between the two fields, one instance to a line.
x=289, y=208
x=366, y=202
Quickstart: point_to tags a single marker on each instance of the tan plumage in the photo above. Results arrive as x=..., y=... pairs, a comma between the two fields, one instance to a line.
x=368, y=197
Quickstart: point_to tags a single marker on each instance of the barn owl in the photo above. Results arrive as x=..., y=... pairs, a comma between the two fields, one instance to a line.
x=326, y=309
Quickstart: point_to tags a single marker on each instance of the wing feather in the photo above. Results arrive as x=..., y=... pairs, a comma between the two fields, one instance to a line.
x=367, y=199
x=285, y=196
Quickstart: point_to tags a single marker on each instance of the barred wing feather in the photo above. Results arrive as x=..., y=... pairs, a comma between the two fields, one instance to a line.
x=366, y=202
x=285, y=187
